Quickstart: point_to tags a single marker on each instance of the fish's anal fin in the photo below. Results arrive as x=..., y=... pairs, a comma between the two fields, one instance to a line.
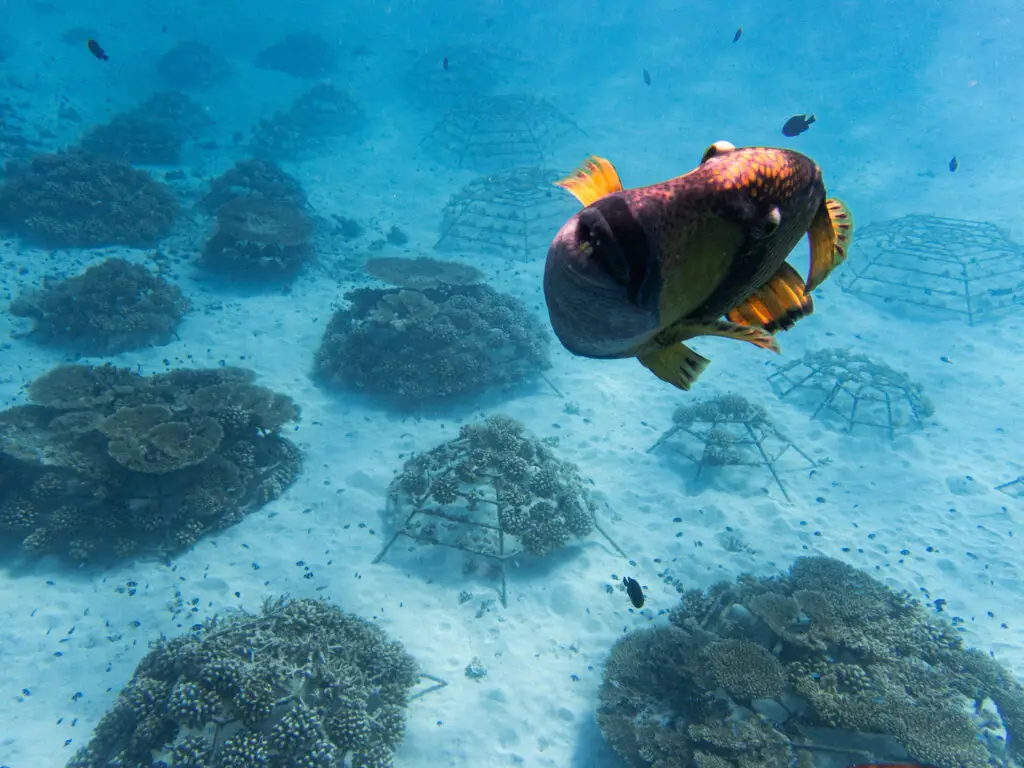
x=777, y=304
x=829, y=235
x=677, y=365
x=593, y=180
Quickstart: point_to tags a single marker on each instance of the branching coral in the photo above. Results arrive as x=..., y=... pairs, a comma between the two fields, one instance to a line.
x=300, y=685
x=433, y=344
x=108, y=463
x=306, y=128
x=81, y=200
x=259, y=240
x=257, y=178
x=112, y=307
x=823, y=666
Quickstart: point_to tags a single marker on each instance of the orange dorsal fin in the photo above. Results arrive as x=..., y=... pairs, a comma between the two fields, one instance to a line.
x=593, y=180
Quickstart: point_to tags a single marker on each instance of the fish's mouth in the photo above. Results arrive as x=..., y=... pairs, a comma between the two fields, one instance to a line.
x=590, y=309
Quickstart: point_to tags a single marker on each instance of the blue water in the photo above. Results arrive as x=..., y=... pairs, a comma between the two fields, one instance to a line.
x=308, y=241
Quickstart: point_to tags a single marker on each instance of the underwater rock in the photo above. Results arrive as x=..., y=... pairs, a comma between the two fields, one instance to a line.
x=114, y=306
x=259, y=240
x=843, y=669
x=326, y=688
x=77, y=199
x=106, y=463
x=433, y=344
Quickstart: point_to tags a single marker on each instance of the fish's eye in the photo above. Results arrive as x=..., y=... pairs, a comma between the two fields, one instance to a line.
x=718, y=148
x=770, y=224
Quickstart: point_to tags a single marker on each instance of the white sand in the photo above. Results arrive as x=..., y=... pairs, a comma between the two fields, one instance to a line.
x=875, y=497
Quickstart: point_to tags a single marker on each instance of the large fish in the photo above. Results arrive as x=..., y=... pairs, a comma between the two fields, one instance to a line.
x=638, y=271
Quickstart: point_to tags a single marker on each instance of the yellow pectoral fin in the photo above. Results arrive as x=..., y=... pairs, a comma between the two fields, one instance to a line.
x=777, y=304
x=593, y=180
x=677, y=365
x=680, y=366
x=829, y=235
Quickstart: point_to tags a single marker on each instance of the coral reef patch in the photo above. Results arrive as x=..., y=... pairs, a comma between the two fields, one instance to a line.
x=308, y=127
x=820, y=667
x=114, y=306
x=300, y=684
x=78, y=199
x=433, y=344
x=106, y=463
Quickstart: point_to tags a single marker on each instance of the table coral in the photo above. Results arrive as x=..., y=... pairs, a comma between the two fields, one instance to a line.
x=822, y=666
x=80, y=200
x=259, y=240
x=107, y=463
x=299, y=685
x=434, y=344
x=422, y=272
x=114, y=306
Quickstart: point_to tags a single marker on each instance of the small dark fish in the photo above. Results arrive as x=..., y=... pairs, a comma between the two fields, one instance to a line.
x=738, y=35
x=634, y=590
x=796, y=125
x=97, y=50
x=445, y=63
x=647, y=77
x=953, y=164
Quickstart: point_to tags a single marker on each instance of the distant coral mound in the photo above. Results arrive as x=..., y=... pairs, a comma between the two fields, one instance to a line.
x=304, y=54
x=323, y=688
x=254, y=177
x=823, y=666
x=308, y=127
x=107, y=463
x=112, y=307
x=431, y=344
x=259, y=240
x=192, y=65
x=78, y=199
x=153, y=133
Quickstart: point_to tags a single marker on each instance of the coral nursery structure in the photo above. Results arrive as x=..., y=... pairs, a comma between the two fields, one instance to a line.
x=107, y=463
x=817, y=668
x=947, y=267
x=433, y=344
x=512, y=213
x=494, y=133
x=112, y=307
x=470, y=73
x=728, y=431
x=81, y=200
x=853, y=391
x=298, y=685
x=493, y=492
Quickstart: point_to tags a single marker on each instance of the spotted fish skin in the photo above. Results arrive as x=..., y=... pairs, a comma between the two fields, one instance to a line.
x=693, y=247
